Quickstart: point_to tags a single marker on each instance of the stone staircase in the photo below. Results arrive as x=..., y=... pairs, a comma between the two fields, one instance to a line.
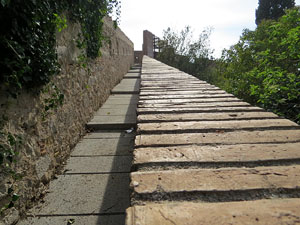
x=203, y=156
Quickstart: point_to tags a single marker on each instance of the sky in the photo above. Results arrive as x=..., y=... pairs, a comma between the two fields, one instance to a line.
x=228, y=18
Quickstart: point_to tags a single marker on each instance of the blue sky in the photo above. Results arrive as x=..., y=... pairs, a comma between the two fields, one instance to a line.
x=228, y=18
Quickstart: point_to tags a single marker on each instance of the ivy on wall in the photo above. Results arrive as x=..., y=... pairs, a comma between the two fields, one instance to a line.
x=28, y=57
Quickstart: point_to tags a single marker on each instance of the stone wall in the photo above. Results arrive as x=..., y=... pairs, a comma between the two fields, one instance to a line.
x=49, y=136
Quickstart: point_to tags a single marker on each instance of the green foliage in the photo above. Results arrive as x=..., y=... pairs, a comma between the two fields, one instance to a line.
x=180, y=50
x=9, y=150
x=61, y=22
x=28, y=56
x=272, y=9
x=264, y=66
x=54, y=100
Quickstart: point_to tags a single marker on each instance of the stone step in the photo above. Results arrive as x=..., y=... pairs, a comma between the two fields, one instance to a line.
x=217, y=155
x=267, y=212
x=221, y=137
x=208, y=126
x=150, y=118
x=195, y=105
x=177, y=101
x=183, y=97
x=227, y=183
x=182, y=92
x=160, y=110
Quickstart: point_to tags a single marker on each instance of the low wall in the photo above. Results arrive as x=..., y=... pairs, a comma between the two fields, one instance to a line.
x=49, y=136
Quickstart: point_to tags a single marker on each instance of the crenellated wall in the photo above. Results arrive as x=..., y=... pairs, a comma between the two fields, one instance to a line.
x=48, y=136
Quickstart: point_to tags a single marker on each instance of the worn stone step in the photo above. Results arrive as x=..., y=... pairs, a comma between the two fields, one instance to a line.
x=183, y=92
x=163, y=83
x=208, y=126
x=180, y=89
x=267, y=212
x=174, y=110
x=182, y=181
x=237, y=137
x=147, y=118
x=182, y=86
x=183, y=97
x=194, y=104
x=178, y=101
x=215, y=155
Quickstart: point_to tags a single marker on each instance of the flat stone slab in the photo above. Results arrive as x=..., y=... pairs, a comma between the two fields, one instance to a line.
x=184, y=92
x=131, y=96
x=86, y=194
x=181, y=97
x=204, y=116
x=179, y=89
x=174, y=110
x=176, y=101
x=193, y=104
x=218, y=153
x=121, y=101
x=129, y=106
x=263, y=212
x=100, y=147
x=116, y=111
x=225, y=179
x=132, y=76
x=182, y=86
x=127, y=86
x=110, y=135
x=238, y=137
x=98, y=164
x=78, y=220
x=110, y=119
x=206, y=126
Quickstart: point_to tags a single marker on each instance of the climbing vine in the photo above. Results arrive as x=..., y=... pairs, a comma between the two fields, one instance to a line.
x=9, y=150
x=28, y=56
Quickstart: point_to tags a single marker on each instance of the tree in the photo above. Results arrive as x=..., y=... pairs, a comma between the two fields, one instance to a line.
x=272, y=9
x=263, y=68
x=180, y=50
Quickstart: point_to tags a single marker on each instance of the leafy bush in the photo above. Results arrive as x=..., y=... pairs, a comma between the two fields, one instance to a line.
x=264, y=66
